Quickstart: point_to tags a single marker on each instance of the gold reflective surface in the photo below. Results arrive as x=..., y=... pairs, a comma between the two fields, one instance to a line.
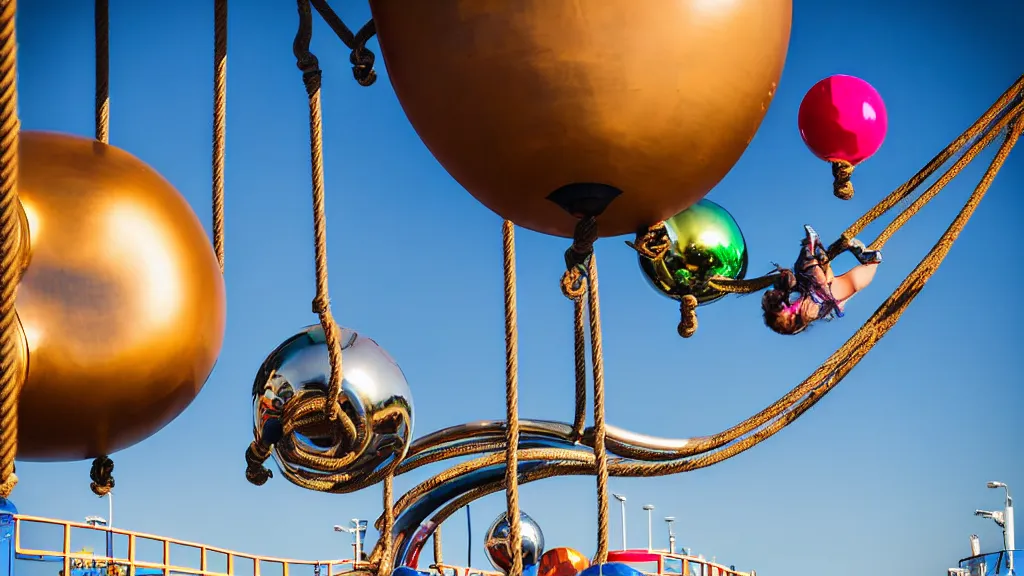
x=516, y=99
x=122, y=303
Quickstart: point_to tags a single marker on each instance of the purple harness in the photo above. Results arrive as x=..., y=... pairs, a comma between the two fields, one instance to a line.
x=809, y=287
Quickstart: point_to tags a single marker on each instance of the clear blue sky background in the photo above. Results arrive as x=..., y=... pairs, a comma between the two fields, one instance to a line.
x=883, y=475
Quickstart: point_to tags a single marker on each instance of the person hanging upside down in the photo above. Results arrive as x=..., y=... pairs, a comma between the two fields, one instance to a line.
x=810, y=292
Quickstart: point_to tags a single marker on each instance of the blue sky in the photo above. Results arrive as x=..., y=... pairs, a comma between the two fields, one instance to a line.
x=885, y=472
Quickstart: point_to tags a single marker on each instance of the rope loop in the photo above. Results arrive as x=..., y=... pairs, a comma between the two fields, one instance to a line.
x=362, y=61
x=102, y=476
x=687, y=316
x=653, y=243
x=578, y=257
x=841, y=185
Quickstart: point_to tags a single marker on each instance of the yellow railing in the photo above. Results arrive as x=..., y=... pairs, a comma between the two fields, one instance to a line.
x=117, y=566
x=126, y=565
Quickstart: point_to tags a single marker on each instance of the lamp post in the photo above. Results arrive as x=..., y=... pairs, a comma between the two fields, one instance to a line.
x=622, y=503
x=650, y=526
x=358, y=526
x=1008, y=536
x=671, y=535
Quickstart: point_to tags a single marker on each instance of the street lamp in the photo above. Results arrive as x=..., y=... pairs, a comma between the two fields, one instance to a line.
x=622, y=503
x=358, y=526
x=1008, y=536
x=650, y=527
x=671, y=535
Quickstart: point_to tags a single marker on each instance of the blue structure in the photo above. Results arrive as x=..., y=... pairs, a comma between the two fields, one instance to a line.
x=1004, y=563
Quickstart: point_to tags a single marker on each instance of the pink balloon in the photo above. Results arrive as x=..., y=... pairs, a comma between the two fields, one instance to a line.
x=843, y=118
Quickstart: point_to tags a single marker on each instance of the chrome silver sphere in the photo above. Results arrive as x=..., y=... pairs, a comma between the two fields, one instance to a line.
x=498, y=550
x=362, y=446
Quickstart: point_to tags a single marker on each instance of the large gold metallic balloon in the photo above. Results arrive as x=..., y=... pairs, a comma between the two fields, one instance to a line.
x=655, y=99
x=122, y=303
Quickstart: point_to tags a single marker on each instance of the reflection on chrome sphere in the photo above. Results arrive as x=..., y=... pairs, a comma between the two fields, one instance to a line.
x=375, y=398
x=496, y=542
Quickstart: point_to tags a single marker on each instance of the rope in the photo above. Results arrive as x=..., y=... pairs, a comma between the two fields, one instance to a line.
x=574, y=287
x=220, y=73
x=311, y=75
x=842, y=171
x=362, y=60
x=511, y=400
x=579, y=279
x=687, y=316
x=314, y=411
x=102, y=467
x=579, y=422
x=983, y=131
x=11, y=366
x=102, y=475
x=386, y=537
x=102, y=25
x=600, y=452
x=438, y=560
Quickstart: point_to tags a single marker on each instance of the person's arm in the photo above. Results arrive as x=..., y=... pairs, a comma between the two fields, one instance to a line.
x=786, y=280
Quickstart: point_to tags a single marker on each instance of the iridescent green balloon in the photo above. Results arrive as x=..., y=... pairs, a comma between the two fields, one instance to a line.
x=705, y=241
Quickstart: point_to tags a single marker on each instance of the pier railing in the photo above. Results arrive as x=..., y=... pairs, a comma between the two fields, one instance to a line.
x=88, y=550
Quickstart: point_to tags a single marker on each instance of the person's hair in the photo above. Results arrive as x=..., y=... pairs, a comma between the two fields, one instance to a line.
x=774, y=304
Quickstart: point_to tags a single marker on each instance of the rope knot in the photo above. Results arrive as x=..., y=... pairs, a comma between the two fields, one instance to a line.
x=321, y=305
x=102, y=475
x=311, y=73
x=653, y=243
x=577, y=258
x=687, y=316
x=255, y=472
x=362, y=61
x=841, y=185
x=7, y=486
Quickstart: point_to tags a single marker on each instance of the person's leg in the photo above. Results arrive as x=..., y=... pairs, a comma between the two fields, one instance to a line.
x=858, y=278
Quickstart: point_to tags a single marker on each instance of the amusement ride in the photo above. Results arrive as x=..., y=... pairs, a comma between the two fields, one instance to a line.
x=613, y=108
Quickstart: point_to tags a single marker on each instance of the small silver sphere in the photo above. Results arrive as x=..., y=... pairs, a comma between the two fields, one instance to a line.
x=496, y=542
x=374, y=396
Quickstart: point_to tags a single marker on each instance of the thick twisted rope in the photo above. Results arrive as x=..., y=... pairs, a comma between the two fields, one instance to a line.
x=600, y=452
x=311, y=75
x=11, y=367
x=842, y=171
x=220, y=83
x=574, y=287
x=101, y=16
x=579, y=279
x=511, y=400
x=299, y=414
x=361, y=58
x=101, y=474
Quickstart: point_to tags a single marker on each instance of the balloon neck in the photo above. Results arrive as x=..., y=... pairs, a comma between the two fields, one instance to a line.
x=584, y=199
